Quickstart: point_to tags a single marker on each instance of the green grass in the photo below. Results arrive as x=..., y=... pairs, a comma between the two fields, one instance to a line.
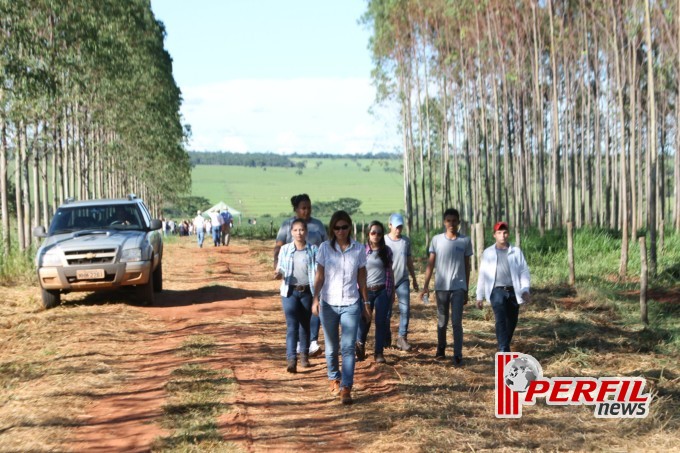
x=257, y=192
x=196, y=398
x=18, y=267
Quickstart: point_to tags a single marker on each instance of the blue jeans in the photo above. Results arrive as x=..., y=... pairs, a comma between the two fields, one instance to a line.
x=506, y=311
x=216, y=231
x=379, y=304
x=332, y=318
x=314, y=325
x=450, y=301
x=297, y=308
x=200, y=235
x=403, y=291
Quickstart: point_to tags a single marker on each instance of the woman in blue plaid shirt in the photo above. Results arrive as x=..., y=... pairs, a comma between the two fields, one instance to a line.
x=297, y=269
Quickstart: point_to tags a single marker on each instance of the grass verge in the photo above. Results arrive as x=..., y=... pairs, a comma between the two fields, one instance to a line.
x=196, y=398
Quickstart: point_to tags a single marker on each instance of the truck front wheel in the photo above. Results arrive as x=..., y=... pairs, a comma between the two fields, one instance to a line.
x=50, y=298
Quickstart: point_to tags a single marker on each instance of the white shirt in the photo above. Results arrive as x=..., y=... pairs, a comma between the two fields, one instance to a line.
x=215, y=218
x=340, y=272
x=199, y=222
x=519, y=270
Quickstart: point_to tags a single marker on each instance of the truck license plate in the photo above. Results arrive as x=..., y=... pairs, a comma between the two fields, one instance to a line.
x=90, y=274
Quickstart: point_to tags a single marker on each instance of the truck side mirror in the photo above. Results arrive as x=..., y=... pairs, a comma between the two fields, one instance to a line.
x=39, y=232
x=155, y=224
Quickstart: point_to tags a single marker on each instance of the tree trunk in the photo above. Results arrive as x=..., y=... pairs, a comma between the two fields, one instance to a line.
x=4, y=202
x=570, y=253
x=18, y=188
x=643, y=281
x=651, y=178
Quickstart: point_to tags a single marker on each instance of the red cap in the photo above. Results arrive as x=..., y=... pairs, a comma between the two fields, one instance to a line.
x=500, y=226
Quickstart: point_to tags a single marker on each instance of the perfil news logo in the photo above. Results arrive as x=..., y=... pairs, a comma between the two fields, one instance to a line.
x=519, y=381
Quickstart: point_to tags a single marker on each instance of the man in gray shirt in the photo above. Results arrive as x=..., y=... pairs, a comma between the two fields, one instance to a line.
x=450, y=253
x=402, y=266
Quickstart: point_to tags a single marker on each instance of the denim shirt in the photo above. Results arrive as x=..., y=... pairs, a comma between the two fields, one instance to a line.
x=285, y=265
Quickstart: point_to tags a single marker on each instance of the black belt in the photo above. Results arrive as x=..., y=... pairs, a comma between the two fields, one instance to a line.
x=376, y=288
x=505, y=288
x=301, y=288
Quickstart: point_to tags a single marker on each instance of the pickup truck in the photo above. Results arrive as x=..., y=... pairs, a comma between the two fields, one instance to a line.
x=100, y=245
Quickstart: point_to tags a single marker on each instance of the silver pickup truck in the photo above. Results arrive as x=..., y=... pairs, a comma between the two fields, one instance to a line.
x=100, y=245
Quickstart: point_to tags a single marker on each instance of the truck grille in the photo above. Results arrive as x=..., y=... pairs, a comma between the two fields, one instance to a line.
x=101, y=256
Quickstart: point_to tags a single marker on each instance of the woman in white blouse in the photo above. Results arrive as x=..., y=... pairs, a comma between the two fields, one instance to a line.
x=339, y=286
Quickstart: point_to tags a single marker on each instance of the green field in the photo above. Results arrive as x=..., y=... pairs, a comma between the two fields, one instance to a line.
x=266, y=191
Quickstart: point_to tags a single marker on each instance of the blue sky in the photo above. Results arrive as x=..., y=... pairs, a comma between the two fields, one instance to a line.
x=275, y=75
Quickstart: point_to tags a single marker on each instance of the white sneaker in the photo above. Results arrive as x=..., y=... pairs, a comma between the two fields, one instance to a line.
x=314, y=348
x=298, y=347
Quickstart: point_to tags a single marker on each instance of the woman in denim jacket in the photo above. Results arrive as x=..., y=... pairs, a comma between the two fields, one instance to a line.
x=296, y=266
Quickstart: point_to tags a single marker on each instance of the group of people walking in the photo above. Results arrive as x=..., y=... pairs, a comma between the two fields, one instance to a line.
x=218, y=224
x=328, y=279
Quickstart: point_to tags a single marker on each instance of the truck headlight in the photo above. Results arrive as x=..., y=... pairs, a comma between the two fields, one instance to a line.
x=51, y=258
x=131, y=255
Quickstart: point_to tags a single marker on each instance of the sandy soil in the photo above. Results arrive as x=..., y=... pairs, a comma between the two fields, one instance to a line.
x=229, y=294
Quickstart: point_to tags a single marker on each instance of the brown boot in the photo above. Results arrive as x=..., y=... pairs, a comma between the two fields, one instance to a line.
x=304, y=360
x=335, y=387
x=292, y=366
x=346, y=395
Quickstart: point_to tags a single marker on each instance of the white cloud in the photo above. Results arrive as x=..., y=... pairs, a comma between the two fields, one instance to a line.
x=303, y=115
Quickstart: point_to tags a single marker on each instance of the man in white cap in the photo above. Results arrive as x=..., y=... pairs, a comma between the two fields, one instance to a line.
x=402, y=266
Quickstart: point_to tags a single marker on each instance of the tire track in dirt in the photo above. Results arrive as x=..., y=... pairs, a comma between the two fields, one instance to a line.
x=225, y=292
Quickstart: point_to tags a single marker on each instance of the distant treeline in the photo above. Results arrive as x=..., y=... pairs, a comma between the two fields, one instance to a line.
x=271, y=159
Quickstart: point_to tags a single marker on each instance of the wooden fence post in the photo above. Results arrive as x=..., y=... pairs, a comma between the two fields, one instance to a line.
x=643, y=281
x=570, y=253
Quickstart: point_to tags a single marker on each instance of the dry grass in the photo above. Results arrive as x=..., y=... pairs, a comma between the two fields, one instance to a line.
x=450, y=409
x=54, y=363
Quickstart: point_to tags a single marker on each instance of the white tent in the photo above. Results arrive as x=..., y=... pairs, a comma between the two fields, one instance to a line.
x=221, y=206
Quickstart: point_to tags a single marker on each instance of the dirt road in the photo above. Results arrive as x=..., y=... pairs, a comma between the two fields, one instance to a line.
x=228, y=293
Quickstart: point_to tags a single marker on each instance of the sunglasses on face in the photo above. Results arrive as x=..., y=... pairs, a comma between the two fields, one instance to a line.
x=341, y=227
x=376, y=233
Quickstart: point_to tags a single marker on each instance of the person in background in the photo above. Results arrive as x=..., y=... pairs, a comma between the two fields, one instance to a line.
x=199, y=227
x=380, y=287
x=297, y=269
x=450, y=253
x=226, y=226
x=504, y=281
x=402, y=266
x=316, y=234
x=339, y=287
x=216, y=223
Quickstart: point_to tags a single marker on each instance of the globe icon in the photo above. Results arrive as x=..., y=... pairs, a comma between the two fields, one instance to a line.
x=520, y=372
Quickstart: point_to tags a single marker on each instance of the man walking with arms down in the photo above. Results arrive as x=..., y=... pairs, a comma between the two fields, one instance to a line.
x=450, y=253
x=504, y=281
x=402, y=266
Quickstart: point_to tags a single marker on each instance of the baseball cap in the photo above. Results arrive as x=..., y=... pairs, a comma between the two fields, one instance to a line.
x=500, y=226
x=396, y=220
